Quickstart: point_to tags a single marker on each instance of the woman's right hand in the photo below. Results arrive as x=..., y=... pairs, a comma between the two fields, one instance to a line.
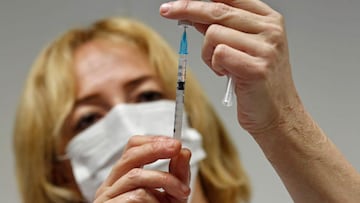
x=130, y=182
x=246, y=39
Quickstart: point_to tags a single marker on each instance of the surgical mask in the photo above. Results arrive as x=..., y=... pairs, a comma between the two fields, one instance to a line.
x=94, y=151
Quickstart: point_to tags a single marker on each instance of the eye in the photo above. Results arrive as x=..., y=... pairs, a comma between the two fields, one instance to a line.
x=86, y=121
x=149, y=96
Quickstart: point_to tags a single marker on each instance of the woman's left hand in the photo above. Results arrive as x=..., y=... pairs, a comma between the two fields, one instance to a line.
x=130, y=182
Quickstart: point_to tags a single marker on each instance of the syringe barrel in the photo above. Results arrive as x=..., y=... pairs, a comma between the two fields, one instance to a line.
x=179, y=108
x=182, y=68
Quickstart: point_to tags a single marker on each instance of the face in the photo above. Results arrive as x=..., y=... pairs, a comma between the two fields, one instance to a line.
x=108, y=74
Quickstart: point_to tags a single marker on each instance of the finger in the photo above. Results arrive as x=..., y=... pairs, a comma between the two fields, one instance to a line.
x=217, y=34
x=141, y=155
x=138, y=140
x=140, y=178
x=139, y=195
x=237, y=63
x=210, y=13
x=202, y=28
x=254, y=6
x=180, y=166
x=164, y=197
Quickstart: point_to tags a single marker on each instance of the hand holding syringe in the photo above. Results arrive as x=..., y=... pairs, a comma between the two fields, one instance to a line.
x=179, y=107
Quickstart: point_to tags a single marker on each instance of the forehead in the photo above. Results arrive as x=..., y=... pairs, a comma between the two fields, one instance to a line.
x=100, y=54
x=98, y=63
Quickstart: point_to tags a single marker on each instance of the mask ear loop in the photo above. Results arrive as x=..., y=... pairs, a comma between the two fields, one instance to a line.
x=60, y=172
x=58, y=156
x=63, y=157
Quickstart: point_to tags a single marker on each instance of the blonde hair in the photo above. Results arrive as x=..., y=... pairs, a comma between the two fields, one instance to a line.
x=49, y=96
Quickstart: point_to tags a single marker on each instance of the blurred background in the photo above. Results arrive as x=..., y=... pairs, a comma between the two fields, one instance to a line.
x=324, y=47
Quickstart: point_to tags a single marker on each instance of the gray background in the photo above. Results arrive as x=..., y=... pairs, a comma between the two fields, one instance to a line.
x=324, y=44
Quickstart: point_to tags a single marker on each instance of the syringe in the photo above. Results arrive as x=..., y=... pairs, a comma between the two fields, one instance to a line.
x=229, y=93
x=179, y=107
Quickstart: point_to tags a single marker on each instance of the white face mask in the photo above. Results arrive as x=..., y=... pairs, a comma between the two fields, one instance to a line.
x=94, y=151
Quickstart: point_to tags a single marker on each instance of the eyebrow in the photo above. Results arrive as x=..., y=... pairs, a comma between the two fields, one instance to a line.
x=136, y=82
x=86, y=99
x=128, y=87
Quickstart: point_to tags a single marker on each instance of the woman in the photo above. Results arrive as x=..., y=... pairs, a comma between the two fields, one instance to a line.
x=104, y=60
x=244, y=39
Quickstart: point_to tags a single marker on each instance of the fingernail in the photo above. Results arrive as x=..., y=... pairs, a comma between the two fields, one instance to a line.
x=164, y=8
x=173, y=143
x=185, y=189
